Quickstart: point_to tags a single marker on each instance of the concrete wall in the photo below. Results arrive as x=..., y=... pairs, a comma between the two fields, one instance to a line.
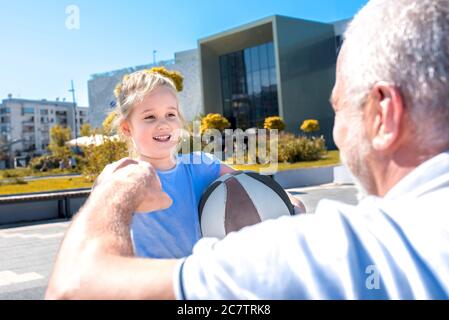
x=101, y=87
x=313, y=176
x=29, y=209
x=210, y=80
x=190, y=99
x=307, y=58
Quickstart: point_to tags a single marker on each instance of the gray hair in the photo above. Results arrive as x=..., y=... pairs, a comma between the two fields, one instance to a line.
x=405, y=43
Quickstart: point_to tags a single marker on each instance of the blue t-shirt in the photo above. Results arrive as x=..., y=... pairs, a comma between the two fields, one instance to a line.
x=172, y=233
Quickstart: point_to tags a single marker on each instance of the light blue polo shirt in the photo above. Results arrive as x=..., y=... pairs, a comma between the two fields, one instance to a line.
x=396, y=247
x=172, y=233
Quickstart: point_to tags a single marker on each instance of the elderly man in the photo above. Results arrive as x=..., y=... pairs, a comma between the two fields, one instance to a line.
x=391, y=102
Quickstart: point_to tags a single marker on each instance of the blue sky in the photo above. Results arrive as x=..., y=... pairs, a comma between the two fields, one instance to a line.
x=39, y=55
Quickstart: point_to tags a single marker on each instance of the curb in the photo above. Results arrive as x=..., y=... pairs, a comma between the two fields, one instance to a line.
x=297, y=178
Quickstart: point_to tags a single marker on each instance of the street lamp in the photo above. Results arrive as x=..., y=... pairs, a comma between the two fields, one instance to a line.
x=74, y=110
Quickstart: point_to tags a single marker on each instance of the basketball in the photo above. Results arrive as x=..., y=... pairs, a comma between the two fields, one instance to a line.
x=241, y=199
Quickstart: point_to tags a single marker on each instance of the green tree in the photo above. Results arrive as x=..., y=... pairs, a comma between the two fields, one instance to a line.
x=58, y=138
x=110, y=150
x=86, y=130
x=3, y=149
x=101, y=155
x=108, y=123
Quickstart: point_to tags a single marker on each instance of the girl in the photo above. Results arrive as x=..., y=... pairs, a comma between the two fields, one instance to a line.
x=149, y=118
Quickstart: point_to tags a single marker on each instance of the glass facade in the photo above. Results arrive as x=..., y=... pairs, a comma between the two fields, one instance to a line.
x=249, y=86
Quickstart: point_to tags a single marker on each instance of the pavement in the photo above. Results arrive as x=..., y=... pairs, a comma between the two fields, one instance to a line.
x=27, y=253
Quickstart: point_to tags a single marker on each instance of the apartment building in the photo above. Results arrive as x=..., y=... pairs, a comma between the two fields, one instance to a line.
x=25, y=124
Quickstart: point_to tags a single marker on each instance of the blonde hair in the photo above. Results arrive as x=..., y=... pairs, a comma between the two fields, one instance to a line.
x=131, y=90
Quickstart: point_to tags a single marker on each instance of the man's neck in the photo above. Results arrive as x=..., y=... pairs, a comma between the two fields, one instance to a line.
x=394, y=169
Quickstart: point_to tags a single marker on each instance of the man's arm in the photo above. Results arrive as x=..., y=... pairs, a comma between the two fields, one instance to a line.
x=96, y=257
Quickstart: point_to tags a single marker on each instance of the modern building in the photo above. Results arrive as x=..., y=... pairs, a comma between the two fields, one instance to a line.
x=274, y=66
x=101, y=87
x=25, y=124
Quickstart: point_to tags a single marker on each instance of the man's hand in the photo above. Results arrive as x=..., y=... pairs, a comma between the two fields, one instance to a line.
x=96, y=257
x=141, y=178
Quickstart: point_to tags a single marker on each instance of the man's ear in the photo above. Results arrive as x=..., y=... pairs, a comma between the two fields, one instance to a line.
x=125, y=127
x=385, y=116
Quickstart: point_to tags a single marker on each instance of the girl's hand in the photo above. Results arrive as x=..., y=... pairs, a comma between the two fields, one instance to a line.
x=297, y=204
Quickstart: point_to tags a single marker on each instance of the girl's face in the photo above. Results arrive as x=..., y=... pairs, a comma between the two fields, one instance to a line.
x=153, y=124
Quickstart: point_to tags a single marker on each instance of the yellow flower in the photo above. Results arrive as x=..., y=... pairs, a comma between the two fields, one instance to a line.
x=175, y=76
x=214, y=121
x=310, y=125
x=275, y=122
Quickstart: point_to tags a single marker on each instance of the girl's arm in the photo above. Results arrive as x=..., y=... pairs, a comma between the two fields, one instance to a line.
x=225, y=169
x=297, y=204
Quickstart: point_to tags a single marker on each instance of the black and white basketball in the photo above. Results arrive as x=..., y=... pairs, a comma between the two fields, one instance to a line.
x=241, y=199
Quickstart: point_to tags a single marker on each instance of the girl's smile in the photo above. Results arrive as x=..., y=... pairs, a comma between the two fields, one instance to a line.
x=154, y=125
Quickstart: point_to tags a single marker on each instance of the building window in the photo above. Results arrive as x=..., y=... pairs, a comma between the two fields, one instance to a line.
x=249, y=85
x=5, y=110
x=5, y=128
x=27, y=110
x=5, y=119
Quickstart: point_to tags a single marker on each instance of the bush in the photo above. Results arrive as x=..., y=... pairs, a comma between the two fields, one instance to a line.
x=37, y=164
x=272, y=123
x=17, y=181
x=295, y=149
x=214, y=121
x=290, y=149
x=86, y=130
x=9, y=174
x=310, y=125
x=101, y=155
x=13, y=177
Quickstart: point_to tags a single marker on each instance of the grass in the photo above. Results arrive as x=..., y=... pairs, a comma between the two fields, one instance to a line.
x=45, y=185
x=27, y=172
x=331, y=158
